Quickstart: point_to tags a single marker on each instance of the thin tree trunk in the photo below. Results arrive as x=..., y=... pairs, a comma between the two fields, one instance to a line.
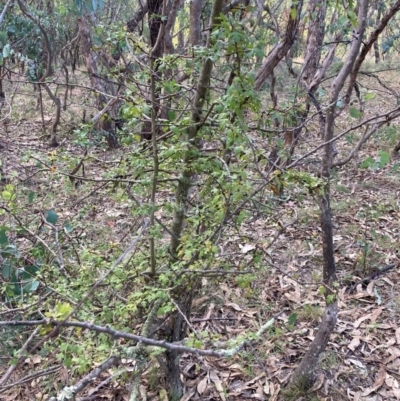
x=185, y=292
x=367, y=47
x=155, y=8
x=42, y=79
x=195, y=22
x=281, y=49
x=137, y=18
x=105, y=123
x=169, y=26
x=378, y=10
x=303, y=376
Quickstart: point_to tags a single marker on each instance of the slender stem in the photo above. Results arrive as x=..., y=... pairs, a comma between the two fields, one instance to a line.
x=156, y=165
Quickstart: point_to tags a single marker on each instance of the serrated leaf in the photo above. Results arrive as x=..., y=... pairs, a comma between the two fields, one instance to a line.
x=51, y=216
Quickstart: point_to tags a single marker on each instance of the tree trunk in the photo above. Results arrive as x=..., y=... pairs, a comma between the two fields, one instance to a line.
x=367, y=45
x=316, y=12
x=303, y=376
x=155, y=10
x=137, y=18
x=185, y=291
x=280, y=50
x=195, y=22
x=104, y=124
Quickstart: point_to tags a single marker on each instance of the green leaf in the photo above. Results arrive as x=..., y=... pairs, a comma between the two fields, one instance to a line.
x=171, y=115
x=29, y=272
x=6, y=195
x=292, y=319
x=67, y=227
x=367, y=163
x=369, y=96
x=62, y=311
x=51, y=216
x=31, y=196
x=3, y=236
x=384, y=158
x=32, y=286
x=355, y=113
x=6, y=50
x=7, y=270
x=293, y=13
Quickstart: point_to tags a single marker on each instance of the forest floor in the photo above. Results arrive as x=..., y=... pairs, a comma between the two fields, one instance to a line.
x=362, y=361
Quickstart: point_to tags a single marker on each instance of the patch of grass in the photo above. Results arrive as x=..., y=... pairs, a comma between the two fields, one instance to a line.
x=316, y=276
x=329, y=360
x=342, y=189
x=310, y=312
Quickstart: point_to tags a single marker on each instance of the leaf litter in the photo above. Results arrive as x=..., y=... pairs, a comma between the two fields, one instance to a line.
x=362, y=361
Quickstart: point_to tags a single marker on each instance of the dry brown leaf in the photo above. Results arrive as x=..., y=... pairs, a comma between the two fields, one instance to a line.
x=207, y=315
x=319, y=381
x=355, y=342
x=218, y=384
x=246, y=247
x=256, y=379
x=375, y=314
x=357, y=323
x=355, y=362
x=143, y=392
x=397, y=334
x=188, y=395
x=370, y=288
x=267, y=387
x=234, y=306
x=201, y=387
x=378, y=382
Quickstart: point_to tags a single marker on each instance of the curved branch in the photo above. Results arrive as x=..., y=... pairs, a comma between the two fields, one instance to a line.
x=368, y=45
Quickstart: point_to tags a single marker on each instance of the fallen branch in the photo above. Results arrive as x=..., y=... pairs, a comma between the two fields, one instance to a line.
x=178, y=347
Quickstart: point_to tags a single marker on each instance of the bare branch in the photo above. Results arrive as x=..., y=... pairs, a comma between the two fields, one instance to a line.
x=71, y=391
x=178, y=347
